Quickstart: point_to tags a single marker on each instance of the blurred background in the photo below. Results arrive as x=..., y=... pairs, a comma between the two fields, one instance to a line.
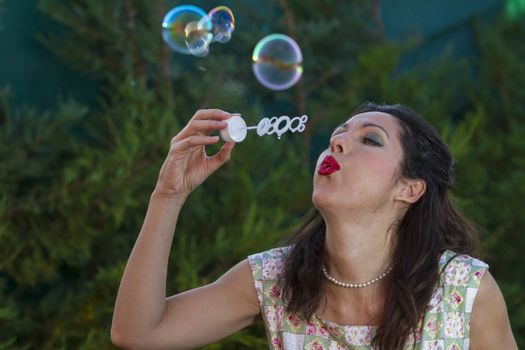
x=90, y=97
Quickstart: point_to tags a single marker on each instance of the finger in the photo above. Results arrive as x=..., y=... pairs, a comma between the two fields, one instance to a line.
x=193, y=141
x=204, y=127
x=216, y=114
x=221, y=157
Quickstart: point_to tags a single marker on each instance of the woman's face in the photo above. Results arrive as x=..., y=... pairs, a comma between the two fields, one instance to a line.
x=369, y=152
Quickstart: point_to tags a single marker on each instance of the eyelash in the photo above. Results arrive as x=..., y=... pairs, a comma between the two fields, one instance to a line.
x=369, y=140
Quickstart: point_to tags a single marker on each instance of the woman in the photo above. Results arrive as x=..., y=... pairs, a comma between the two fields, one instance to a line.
x=384, y=261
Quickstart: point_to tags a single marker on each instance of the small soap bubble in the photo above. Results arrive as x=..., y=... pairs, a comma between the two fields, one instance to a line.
x=277, y=62
x=223, y=23
x=198, y=38
x=175, y=28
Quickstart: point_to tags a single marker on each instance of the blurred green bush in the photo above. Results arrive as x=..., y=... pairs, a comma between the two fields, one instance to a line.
x=75, y=182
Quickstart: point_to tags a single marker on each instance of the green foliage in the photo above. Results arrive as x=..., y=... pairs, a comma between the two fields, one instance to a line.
x=515, y=9
x=75, y=182
x=1, y=12
x=493, y=175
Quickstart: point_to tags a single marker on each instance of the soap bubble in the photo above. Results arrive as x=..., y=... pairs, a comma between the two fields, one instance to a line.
x=277, y=62
x=223, y=23
x=176, y=28
x=198, y=38
x=189, y=30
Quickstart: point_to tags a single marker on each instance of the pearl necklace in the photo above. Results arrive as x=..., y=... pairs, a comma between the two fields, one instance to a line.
x=357, y=285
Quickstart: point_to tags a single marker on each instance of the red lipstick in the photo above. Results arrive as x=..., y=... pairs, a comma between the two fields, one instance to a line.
x=328, y=166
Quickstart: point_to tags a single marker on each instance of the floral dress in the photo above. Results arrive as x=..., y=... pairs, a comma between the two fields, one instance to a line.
x=445, y=326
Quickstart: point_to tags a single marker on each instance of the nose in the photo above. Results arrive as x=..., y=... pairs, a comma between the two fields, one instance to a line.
x=337, y=145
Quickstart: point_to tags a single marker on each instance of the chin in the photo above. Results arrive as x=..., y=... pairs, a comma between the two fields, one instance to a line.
x=322, y=199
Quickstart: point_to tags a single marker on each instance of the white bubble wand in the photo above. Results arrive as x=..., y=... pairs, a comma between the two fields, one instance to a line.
x=236, y=130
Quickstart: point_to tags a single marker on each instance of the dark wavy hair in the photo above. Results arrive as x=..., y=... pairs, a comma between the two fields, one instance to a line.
x=429, y=227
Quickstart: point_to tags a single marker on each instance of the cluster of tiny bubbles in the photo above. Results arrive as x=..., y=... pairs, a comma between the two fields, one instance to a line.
x=189, y=30
x=277, y=62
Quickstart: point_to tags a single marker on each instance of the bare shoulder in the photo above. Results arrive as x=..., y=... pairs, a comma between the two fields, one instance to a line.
x=240, y=277
x=490, y=326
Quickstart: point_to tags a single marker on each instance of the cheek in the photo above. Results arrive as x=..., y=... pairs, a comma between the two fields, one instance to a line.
x=384, y=167
x=379, y=171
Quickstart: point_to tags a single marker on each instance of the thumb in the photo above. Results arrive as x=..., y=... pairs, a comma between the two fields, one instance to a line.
x=221, y=157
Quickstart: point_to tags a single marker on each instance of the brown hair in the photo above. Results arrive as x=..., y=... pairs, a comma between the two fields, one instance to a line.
x=429, y=227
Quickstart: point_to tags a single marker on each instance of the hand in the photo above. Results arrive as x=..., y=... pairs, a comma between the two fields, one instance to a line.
x=187, y=164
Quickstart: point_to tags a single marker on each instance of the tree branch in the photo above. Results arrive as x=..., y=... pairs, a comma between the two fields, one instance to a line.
x=165, y=71
x=378, y=18
x=139, y=64
x=300, y=96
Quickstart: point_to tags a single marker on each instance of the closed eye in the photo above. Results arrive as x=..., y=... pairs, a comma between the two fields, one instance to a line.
x=371, y=141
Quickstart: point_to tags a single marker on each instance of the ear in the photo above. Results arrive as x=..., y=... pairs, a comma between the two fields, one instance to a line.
x=410, y=190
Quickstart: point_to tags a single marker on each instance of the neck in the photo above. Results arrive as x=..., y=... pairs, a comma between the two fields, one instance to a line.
x=357, y=247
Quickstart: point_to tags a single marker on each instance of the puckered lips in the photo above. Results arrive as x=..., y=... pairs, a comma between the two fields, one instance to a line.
x=328, y=166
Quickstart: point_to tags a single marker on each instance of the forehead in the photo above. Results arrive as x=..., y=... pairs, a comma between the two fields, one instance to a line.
x=385, y=120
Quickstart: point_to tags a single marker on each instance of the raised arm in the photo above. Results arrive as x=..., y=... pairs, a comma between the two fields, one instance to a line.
x=490, y=327
x=143, y=317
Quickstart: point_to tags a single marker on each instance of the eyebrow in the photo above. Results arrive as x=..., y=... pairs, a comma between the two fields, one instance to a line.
x=364, y=125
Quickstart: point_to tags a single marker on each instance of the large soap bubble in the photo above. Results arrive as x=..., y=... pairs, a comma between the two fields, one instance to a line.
x=184, y=31
x=277, y=62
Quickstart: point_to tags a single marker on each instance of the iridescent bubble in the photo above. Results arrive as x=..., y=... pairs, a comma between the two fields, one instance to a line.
x=223, y=23
x=175, y=23
x=198, y=38
x=277, y=62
